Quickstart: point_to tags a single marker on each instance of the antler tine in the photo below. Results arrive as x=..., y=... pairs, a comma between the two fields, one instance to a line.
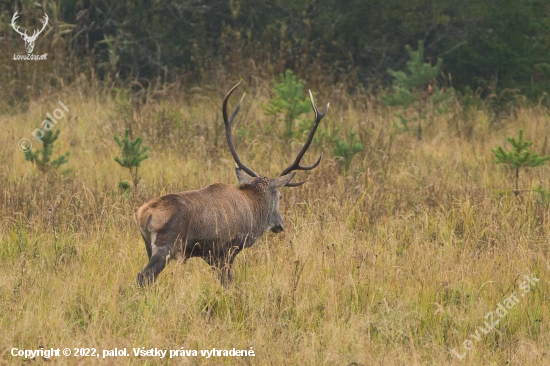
x=227, y=123
x=13, y=25
x=296, y=164
x=296, y=184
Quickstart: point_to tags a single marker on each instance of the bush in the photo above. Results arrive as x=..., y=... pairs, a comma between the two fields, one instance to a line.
x=288, y=101
x=41, y=158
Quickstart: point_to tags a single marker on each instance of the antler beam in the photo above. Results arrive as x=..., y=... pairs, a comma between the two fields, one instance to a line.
x=296, y=164
x=227, y=123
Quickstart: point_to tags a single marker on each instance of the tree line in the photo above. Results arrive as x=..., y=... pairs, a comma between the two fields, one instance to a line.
x=487, y=45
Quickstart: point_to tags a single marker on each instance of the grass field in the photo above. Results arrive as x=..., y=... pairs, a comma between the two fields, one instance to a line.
x=396, y=261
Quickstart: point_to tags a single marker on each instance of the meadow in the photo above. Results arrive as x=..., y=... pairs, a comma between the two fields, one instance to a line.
x=396, y=260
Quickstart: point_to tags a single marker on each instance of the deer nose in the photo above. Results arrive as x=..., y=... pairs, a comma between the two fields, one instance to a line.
x=277, y=229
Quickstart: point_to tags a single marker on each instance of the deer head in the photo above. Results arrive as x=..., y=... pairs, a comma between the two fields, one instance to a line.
x=245, y=175
x=29, y=40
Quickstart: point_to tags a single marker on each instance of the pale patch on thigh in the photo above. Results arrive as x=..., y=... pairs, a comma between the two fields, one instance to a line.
x=153, y=240
x=157, y=241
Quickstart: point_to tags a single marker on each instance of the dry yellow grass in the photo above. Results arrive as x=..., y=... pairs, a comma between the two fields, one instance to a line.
x=394, y=263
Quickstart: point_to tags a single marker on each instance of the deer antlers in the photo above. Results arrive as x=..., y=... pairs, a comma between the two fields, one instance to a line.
x=227, y=123
x=296, y=164
x=35, y=33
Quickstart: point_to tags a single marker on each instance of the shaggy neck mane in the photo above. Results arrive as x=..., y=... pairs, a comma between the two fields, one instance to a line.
x=258, y=198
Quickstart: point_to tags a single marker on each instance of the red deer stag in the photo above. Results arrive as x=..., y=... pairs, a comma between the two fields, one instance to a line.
x=217, y=222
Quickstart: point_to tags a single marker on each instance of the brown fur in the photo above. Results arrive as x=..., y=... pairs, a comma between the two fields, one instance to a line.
x=214, y=223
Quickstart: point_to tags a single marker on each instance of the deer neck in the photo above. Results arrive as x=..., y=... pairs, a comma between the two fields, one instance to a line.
x=257, y=198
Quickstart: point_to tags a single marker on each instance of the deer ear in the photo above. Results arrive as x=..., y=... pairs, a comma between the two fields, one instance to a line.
x=243, y=177
x=281, y=181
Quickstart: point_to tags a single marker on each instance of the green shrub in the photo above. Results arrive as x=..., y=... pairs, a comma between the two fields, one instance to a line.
x=346, y=149
x=41, y=158
x=288, y=101
x=519, y=157
x=417, y=88
x=131, y=156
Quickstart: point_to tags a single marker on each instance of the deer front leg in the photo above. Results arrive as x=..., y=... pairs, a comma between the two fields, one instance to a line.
x=225, y=274
x=223, y=265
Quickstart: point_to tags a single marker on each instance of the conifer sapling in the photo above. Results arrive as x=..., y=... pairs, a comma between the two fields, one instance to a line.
x=347, y=149
x=131, y=155
x=418, y=86
x=520, y=156
x=289, y=100
x=42, y=157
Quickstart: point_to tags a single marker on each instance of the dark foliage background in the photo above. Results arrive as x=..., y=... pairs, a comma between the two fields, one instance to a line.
x=489, y=45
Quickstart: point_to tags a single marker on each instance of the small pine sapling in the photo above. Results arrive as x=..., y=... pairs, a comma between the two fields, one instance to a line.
x=41, y=158
x=131, y=156
x=418, y=87
x=347, y=149
x=520, y=156
x=289, y=100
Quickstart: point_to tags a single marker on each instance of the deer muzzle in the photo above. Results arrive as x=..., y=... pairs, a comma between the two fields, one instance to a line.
x=277, y=229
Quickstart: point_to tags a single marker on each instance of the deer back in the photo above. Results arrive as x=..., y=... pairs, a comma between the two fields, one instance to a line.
x=219, y=212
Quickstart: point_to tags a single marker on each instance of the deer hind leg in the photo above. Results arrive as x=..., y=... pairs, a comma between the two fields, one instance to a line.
x=160, y=254
x=147, y=241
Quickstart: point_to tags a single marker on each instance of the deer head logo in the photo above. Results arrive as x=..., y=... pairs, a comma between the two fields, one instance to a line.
x=29, y=41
